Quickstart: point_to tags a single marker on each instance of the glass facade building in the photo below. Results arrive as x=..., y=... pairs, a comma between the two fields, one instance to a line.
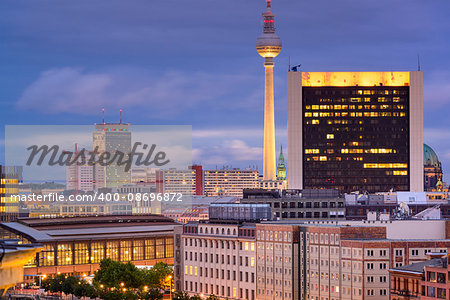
x=355, y=131
x=356, y=138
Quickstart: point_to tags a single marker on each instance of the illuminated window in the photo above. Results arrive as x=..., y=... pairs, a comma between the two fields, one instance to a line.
x=323, y=158
x=125, y=250
x=330, y=136
x=382, y=99
x=308, y=114
x=400, y=173
x=385, y=166
x=64, y=254
x=315, y=122
x=311, y=151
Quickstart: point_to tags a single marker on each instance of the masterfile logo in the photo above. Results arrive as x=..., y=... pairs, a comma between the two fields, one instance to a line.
x=149, y=156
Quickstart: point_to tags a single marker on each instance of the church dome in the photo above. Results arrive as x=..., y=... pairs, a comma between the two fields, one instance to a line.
x=429, y=157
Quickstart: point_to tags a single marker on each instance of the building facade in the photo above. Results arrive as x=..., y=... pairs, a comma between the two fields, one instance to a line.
x=82, y=176
x=424, y=280
x=113, y=138
x=217, y=258
x=300, y=205
x=76, y=245
x=355, y=131
x=10, y=178
x=277, y=261
x=352, y=261
x=229, y=182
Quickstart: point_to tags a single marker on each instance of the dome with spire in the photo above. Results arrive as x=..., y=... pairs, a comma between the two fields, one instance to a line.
x=429, y=157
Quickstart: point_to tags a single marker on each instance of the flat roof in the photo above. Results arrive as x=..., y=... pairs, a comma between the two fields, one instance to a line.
x=91, y=228
x=361, y=79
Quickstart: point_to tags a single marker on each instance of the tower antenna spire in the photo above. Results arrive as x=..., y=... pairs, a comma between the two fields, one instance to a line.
x=120, y=116
x=269, y=46
x=103, y=115
x=418, y=62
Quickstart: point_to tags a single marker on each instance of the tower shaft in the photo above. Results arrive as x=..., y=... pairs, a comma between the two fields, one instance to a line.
x=269, y=156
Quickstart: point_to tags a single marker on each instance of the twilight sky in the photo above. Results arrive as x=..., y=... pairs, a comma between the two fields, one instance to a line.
x=195, y=63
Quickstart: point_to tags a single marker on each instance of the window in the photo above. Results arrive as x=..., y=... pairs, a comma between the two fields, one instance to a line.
x=138, y=250
x=160, y=248
x=112, y=250
x=431, y=276
x=47, y=256
x=64, y=254
x=440, y=277
x=125, y=250
x=169, y=247
x=149, y=249
x=370, y=266
x=431, y=291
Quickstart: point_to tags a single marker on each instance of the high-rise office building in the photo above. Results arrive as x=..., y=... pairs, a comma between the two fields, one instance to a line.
x=10, y=178
x=268, y=46
x=114, y=138
x=355, y=131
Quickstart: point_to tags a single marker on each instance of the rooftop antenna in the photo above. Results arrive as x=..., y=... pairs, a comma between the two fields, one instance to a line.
x=120, y=116
x=103, y=115
x=418, y=63
x=289, y=64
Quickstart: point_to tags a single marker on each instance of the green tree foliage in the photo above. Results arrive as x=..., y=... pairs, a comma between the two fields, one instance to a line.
x=115, y=280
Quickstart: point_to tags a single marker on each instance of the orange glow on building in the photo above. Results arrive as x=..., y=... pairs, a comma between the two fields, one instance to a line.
x=317, y=79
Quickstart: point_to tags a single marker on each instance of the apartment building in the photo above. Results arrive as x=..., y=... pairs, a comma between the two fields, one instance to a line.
x=351, y=261
x=218, y=256
x=277, y=261
x=229, y=182
x=424, y=280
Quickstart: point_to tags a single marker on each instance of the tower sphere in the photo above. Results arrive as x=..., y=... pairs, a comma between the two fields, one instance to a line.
x=268, y=45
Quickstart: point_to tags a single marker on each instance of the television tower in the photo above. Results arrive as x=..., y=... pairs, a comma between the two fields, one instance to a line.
x=268, y=46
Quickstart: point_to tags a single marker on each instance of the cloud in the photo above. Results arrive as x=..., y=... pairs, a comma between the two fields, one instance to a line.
x=437, y=89
x=75, y=90
x=229, y=151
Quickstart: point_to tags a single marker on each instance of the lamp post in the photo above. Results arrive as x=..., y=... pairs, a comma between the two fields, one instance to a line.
x=170, y=288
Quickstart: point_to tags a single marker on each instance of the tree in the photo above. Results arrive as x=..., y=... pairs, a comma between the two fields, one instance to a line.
x=68, y=285
x=114, y=274
x=181, y=296
x=84, y=289
x=212, y=297
x=159, y=276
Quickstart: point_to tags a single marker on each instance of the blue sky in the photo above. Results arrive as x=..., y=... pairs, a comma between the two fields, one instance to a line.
x=195, y=63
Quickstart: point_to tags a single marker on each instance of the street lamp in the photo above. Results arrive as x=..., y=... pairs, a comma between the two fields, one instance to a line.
x=170, y=288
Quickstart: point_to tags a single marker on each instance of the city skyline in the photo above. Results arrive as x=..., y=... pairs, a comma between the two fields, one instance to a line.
x=186, y=67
